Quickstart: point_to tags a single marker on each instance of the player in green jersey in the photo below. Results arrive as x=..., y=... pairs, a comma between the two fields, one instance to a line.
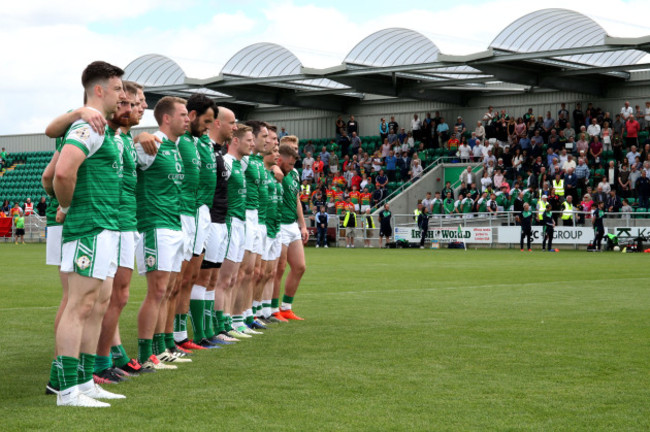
x=292, y=227
x=159, y=249
x=206, y=301
x=250, y=269
x=201, y=112
x=272, y=246
x=241, y=145
x=86, y=183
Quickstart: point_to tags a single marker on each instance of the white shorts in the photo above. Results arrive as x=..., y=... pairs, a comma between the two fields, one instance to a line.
x=364, y=207
x=188, y=225
x=217, y=243
x=126, y=257
x=93, y=256
x=290, y=233
x=236, y=240
x=262, y=230
x=203, y=222
x=160, y=249
x=53, y=246
x=253, y=235
x=272, y=250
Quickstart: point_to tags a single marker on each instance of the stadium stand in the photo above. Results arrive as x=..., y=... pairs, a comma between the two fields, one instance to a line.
x=22, y=177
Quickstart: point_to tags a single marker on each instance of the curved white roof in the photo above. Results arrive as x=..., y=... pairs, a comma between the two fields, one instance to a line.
x=262, y=60
x=154, y=70
x=393, y=46
x=550, y=29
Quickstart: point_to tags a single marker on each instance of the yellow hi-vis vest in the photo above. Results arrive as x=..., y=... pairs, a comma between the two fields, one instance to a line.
x=416, y=213
x=370, y=222
x=567, y=213
x=559, y=187
x=541, y=208
x=350, y=222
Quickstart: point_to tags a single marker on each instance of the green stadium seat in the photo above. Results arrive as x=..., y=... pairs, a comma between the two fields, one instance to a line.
x=640, y=210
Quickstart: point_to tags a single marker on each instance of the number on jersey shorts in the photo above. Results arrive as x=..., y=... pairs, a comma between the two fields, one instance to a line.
x=272, y=249
x=203, y=222
x=159, y=249
x=128, y=241
x=290, y=233
x=188, y=225
x=53, y=246
x=236, y=239
x=253, y=234
x=92, y=256
x=217, y=243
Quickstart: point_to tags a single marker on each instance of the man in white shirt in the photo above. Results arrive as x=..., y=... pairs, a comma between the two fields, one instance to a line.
x=627, y=110
x=594, y=127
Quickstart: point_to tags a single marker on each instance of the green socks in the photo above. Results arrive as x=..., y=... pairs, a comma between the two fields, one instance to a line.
x=159, y=343
x=221, y=322
x=169, y=341
x=208, y=325
x=145, y=349
x=120, y=357
x=86, y=367
x=67, y=371
x=286, y=302
x=197, y=308
x=54, y=375
x=180, y=327
x=102, y=363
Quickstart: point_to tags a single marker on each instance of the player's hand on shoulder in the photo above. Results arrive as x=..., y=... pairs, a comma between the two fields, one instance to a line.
x=93, y=118
x=149, y=143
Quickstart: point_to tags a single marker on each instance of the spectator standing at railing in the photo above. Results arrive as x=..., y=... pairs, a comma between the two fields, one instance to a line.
x=383, y=129
x=643, y=189
x=423, y=223
x=41, y=207
x=448, y=204
x=416, y=170
x=19, y=223
x=568, y=211
x=28, y=207
x=385, y=230
x=443, y=132
x=582, y=174
x=525, y=219
x=597, y=222
x=549, y=229
x=571, y=184
x=613, y=203
x=633, y=128
x=15, y=210
x=5, y=207
x=391, y=165
x=464, y=152
x=322, y=219
x=369, y=225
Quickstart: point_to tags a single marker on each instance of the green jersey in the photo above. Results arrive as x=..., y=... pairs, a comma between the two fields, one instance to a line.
x=272, y=219
x=254, y=173
x=192, y=165
x=53, y=206
x=236, y=178
x=436, y=206
x=97, y=190
x=208, y=172
x=128, y=206
x=467, y=205
x=20, y=222
x=448, y=204
x=290, y=191
x=264, y=197
x=159, y=187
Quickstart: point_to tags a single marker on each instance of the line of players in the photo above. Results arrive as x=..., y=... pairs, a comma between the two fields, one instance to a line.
x=208, y=208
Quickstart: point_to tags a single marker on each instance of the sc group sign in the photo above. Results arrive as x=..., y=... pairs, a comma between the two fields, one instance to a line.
x=562, y=235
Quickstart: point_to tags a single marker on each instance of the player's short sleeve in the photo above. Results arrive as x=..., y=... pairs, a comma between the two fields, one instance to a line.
x=82, y=136
x=244, y=163
x=144, y=160
x=227, y=163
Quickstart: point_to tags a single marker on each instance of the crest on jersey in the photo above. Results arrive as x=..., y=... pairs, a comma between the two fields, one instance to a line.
x=151, y=261
x=83, y=133
x=83, y=262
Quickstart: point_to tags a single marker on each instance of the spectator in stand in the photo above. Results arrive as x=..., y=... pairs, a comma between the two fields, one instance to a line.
x=632, y=155
x=416, y=125
x=595, y=149
x=497, y=179
x=453, y=141
x=340, y=126
x=385, y=148
x=344, y=143
x=467, y=176
x=393, y=138
x=571, y=183
x=479, y=151
x=578, y=116
x=5, y=207
x=642, y=188
x=594, y=127
x=355, y=143
x=385, y=230
x=352, y=126
x=480, y=130
x=28, y=207
x=15, y=210
x=383, y=129
x=635, y=175
x=548, y=124
x=393, y=125
x=382, y=180
x=41, y=207
x=460, y=124
x=606, y=134
x=613, y=203
x=404, y=165
x=623, y=185
x=604, y=185
x=443, y=132
x=633, y=128
x=416, y=170
x=350, y=225
x=403, y=136
x=366, y=199
x=391, y=165
x=308, y=161
x=569, y=131
x=489, y=157
x=627, y=110
x=378, y=196
x=348, y=174
x=600, y=195
x=318, y=167
x=486, y=181
x=334, y=162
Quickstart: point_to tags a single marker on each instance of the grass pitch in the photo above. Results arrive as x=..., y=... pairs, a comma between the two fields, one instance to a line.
x=485, y=340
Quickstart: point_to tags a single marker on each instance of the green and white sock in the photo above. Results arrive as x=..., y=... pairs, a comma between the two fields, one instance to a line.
x=67, y=371
x=248, y=316
x=102, y=363
x=120, y=357
x=86, y=367
x=221, y=321
x=286, y=302
x=169, y=341
x=145, y=349
x=275, y=305
x=180, y=327
x=158, y=343
x=197, y=308
x=227, y=321
x=237, y=321
x=266, y=308
x=207, y=314
x=54, y=374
